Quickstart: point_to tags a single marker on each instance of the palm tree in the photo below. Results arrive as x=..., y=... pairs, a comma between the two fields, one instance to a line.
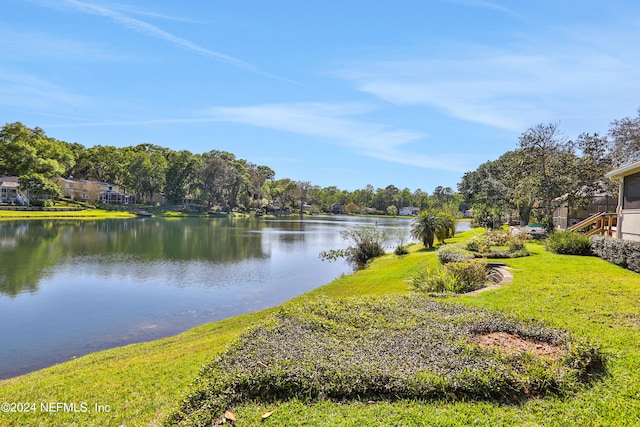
x=447, y=225
x=431, y=224
x=425, y=226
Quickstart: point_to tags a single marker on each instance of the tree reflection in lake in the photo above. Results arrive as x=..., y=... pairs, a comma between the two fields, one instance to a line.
x=72, y=287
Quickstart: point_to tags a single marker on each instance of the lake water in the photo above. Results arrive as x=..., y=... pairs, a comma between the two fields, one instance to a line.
x=68, y=288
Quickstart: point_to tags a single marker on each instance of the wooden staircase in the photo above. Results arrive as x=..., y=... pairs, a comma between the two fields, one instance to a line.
x=600, y=223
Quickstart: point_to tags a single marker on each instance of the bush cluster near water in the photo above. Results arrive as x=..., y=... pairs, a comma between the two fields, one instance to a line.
x=392, y=347
x=364, y=244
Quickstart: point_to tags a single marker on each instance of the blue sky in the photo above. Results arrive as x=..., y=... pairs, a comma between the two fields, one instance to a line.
x=347, y=93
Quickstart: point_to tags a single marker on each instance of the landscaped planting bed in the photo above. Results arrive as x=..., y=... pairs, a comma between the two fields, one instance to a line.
x=498, y=244
x=388, y=348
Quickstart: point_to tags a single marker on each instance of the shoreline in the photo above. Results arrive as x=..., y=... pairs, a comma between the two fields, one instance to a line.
x=143, y=382
x=75, y=214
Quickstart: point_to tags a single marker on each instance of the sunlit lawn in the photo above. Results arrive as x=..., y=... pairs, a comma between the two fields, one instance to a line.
x=142, y=383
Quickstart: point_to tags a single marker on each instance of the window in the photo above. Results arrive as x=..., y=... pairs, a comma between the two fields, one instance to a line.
x=631, y=192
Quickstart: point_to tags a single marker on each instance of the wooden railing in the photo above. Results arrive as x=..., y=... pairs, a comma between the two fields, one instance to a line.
x=600, y=223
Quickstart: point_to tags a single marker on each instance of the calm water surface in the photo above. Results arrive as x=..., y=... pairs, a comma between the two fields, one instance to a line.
x=68, y=288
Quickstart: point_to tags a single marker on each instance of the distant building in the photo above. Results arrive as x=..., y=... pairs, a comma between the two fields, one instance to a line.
x=409, y=211
x=93, y=191
x=601, y=201
x=9, y=188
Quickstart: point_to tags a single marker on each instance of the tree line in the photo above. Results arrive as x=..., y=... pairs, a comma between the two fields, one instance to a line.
x=211, y=179
x=548, y=168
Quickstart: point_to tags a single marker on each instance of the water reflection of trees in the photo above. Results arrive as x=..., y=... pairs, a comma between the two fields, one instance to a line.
x=25, y=255
x=29, y=249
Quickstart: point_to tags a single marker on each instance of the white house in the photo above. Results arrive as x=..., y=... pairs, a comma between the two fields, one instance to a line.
x=409, y=211
x=628, y=211
x=9, y=188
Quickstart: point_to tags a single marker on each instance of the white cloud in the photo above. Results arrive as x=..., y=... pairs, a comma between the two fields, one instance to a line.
x=143, y=27
x=18, y=45
x=334, y=123
x=20, y=90
x=151, y=30
x=569, y=75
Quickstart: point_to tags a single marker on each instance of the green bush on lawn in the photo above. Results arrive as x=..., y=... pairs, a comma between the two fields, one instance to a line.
x=453, y=253
x=455, y=276
x=568, y=243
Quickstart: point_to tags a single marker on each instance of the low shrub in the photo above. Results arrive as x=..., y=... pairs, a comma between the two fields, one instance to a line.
x=391, y=347
x=433, y=279
x=401, y=250
x=496, y=237
x=568, y=243
x=516, y=242
x=624, y=253
x=469, y=275
x=453, y=253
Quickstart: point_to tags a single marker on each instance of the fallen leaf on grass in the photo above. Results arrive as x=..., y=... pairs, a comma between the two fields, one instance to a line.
x=230, y=415
x=266, y=415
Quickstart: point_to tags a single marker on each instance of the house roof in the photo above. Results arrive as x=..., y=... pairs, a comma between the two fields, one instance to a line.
x=9, y=184
x=625, y=170
x=84, y=181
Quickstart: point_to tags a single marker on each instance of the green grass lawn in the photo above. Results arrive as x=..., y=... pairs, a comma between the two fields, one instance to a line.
x=142, y=383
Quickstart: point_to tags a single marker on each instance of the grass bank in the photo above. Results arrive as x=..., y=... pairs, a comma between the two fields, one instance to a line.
x=140, y=384
x=84, y=214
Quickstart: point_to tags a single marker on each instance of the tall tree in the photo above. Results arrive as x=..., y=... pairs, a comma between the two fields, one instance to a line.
x=625, y=140
x=303, y=189
x=38, y=186
x=104, y=163
x=146, y=173
x=24, y=151
x=547, y=159
x=215, y=175
x=180, y=174
x=486, y=191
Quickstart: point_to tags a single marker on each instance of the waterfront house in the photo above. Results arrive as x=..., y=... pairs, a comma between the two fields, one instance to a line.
x=409, y=211
x=9, y=188
x=628, y=210
x=93, y=191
